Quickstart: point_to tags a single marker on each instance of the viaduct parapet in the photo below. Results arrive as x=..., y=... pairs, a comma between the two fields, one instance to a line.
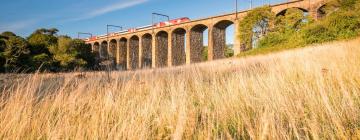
x=182, y=43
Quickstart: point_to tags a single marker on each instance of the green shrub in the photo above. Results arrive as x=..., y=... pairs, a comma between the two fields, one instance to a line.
x=204, y=53
x=229, y=51
x=317, y=33
x=42, y=61
x=338, y=25
x=346, y=4
x=272, y=39
x=293, y=19
x=343, y=24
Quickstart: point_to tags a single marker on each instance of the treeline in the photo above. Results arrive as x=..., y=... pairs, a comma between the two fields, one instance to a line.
x=44, y=50
x=263, y=31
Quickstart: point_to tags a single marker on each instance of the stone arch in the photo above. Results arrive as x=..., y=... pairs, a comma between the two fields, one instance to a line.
x=122, y=58
x=146, y=60
x=112, y=49
x=178, y=56
x=96, y=48
x=134, y=52
x=161, y=49
x=219, y=38
x=196, y=42
x=104, y=50
x=320, y=10
x=283, y=12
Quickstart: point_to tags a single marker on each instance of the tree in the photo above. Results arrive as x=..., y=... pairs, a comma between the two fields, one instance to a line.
x=2, y=49
x=51, y=31
x=40, y=41
x=84, y=52
x=7, y=34
x=72, y=54
x=254, y=26
x=63, y=53
x=2, y=43
x=16, y=53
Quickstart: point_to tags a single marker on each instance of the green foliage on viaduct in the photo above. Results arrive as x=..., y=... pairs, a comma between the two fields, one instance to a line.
x=341, y=20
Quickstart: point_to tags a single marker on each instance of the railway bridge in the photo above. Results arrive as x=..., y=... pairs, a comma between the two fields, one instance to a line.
x=181, y=44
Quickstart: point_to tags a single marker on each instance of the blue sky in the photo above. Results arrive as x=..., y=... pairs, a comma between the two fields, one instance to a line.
x=72, y=16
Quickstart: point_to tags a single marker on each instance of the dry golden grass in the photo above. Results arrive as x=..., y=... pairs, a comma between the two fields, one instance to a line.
x=310, y=93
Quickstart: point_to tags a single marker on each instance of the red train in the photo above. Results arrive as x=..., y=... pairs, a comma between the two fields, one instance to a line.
x=93, y=38
x=172, y=22
x=156, y=25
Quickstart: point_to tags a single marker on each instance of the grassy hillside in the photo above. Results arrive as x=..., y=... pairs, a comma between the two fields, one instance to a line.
x=309, y=93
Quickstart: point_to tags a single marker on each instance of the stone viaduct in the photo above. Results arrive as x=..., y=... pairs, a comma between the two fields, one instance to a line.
x=182, y=43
